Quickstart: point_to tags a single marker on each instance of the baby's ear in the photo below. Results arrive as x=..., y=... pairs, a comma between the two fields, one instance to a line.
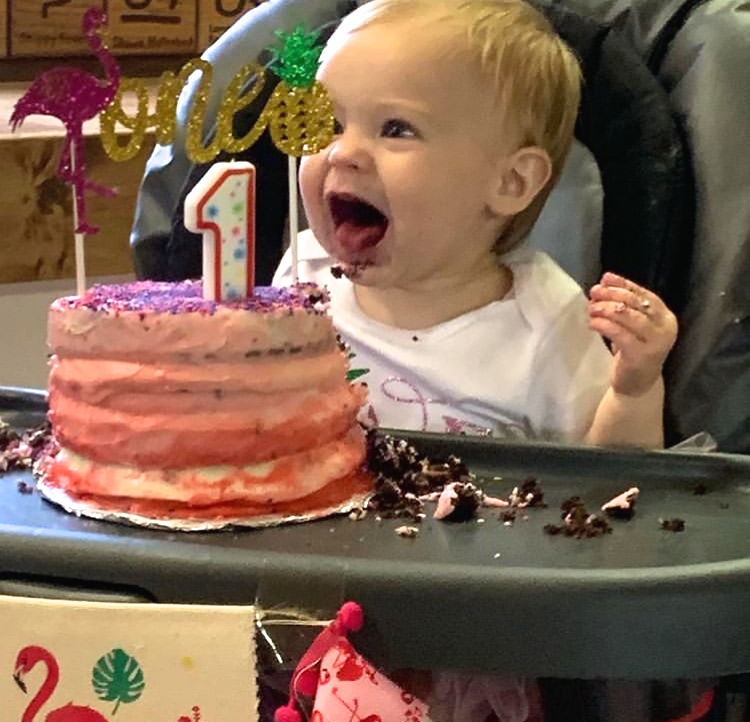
x=521, y=176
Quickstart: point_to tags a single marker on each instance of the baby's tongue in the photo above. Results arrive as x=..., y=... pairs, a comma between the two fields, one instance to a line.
x=354, y=237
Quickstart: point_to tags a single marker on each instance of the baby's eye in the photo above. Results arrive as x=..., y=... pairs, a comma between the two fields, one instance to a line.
x=338, y=129
x=395, y=128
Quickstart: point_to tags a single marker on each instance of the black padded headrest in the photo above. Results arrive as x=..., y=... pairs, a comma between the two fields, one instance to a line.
x=626, y=121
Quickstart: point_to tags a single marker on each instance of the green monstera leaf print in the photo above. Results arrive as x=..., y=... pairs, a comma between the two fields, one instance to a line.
x=353, y=374
x=117, y=677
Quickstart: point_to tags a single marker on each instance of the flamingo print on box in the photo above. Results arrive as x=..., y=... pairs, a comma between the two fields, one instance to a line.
x=72, y=95
x=114, y=664
x=126, y=661
x=27, y=659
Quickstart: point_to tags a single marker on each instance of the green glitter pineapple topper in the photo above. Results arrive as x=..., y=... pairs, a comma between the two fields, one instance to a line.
x=300, y=110
x=296, y=62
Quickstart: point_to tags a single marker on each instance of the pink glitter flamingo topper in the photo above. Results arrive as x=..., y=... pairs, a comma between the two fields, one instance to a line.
x=73, y=95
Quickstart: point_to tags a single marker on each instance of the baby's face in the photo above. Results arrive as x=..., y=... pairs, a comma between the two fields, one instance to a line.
x=399, y=197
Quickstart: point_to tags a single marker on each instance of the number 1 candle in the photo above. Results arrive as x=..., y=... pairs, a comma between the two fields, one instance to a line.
x=221, y=206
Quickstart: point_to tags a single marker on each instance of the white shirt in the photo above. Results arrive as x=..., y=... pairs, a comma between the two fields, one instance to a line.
x=524, y=367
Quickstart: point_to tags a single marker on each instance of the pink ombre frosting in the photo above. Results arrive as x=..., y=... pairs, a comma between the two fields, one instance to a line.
x=148, y=320
x=157, y=394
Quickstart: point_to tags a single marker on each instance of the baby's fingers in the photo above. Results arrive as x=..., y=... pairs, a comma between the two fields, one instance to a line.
x=638, y=328
x=618, y=322
x=629, y=295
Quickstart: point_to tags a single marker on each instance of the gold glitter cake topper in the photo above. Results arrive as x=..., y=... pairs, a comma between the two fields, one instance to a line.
x=300, y=110
x=298, y=114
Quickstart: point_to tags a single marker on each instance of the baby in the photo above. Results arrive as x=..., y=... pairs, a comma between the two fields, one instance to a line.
x=453, y=120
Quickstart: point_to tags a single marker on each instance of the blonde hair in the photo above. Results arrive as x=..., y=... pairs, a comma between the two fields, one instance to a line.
x=534, y=75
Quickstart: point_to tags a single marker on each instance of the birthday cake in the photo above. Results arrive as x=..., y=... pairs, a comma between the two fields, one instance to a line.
x=163, y=403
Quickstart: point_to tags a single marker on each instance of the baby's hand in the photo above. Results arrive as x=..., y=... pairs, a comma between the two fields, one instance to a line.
x=640, y=327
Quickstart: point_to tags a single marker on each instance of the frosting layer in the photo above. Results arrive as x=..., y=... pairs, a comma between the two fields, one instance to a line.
x=147, y=320
x=265, y=484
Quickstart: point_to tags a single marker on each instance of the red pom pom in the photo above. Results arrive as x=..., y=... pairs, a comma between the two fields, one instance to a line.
x=287, y=714
x=306, y=682
x=351, y=616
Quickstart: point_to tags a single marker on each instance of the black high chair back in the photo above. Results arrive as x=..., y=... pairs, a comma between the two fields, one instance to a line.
x=699, y=52
x=626, y=201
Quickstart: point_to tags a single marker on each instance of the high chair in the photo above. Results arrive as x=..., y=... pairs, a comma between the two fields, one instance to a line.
x=658, y=184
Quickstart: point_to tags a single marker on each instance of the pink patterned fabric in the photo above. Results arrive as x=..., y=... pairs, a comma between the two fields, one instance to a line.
x=350, y=689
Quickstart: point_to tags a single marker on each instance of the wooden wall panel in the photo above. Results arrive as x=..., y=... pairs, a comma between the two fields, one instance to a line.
x=36, y=211
x=215, y=16
x=152, y=27
x=51, y=28
x=3, y=30
x=47, y=27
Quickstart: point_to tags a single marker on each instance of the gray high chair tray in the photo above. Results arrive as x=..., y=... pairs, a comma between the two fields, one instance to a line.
x=640, y=602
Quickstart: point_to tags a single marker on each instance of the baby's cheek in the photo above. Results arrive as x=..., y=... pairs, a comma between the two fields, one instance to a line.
x=311, y=177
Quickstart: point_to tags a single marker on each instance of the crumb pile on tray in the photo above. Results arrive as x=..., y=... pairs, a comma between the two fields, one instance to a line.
x=166, y=404
x=405, y=479
x=578, y=521
x=20, y=451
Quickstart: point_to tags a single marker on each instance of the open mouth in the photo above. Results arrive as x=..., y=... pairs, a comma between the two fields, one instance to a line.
x=358, y=224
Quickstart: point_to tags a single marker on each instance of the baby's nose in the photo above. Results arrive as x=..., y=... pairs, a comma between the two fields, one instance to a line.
x=348, y=150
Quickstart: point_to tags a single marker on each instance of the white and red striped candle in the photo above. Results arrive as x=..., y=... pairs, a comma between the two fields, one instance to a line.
x=221, y=207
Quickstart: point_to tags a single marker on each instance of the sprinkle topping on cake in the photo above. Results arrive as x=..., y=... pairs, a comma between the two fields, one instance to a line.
x=187, y=297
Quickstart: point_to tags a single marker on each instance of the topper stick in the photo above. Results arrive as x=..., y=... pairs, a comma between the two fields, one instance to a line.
x=293, y=224
x=80, y=238
x=80, y=264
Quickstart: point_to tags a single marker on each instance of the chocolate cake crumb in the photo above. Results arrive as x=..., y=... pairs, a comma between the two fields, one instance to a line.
x=529, y=493
x=458, y=501
x=622, y=513
x=317, y=295
x=676, y=524
x=20, y=451
x=407, y=531
x=337, y=271
x=25, y=488
x=623, y=505
x=700, y=489
x=571, y=504
x=578, y=522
